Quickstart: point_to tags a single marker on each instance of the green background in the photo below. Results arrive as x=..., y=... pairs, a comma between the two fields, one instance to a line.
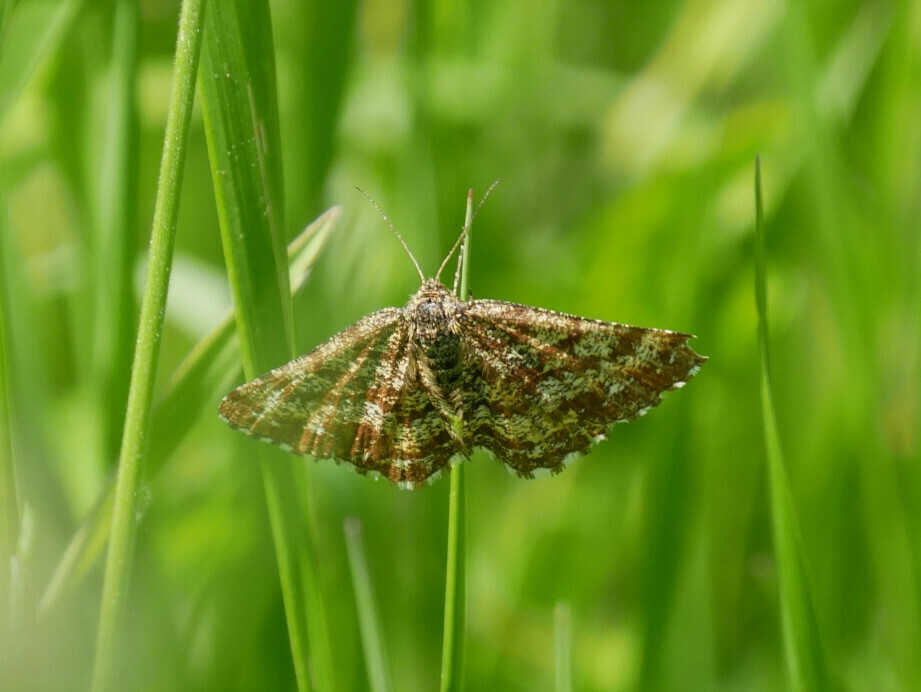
x=625, y=136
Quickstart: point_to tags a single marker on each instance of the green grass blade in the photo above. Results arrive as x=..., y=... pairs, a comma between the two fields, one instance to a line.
x=320, y=39
x=143, y=374
x=452, y=651
x=562, y=647
x=7, y=8
x=239, y=105
x=9, y=502
x=114, y=247
x=241, y=124
x=30, y=32
x=209, y=370
x=806, y=667
x=368, y=621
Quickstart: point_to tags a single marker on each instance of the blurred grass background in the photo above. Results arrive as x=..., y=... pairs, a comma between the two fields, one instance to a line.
x=625, y=135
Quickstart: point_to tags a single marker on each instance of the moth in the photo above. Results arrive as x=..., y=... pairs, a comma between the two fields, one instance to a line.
x=405, y=392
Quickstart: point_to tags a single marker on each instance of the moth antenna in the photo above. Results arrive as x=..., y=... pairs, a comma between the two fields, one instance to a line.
x=463, y=234
x=457, y=243
x=394, y=229
x=483, y=198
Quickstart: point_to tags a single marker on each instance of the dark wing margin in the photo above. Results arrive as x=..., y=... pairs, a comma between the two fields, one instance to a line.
x=546, y=386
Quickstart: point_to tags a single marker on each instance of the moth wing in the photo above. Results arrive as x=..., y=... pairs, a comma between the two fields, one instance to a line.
x=415, y=446
x=355, y=399
x=316, y=403
x=545, y=386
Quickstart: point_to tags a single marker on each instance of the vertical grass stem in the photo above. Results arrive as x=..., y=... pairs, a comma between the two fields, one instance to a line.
x=806, y=667
x=562, y=646
x=369, y=625
x=452, y=651
x=143, y=373
x=9, y=502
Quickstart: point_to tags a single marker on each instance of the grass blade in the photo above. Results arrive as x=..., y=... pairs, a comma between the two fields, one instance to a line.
x=320, y=38
x=9, y=502
x=452, y=651
x=562, y=646
x=209, y=370
x=31, y=31
x=113, y=242
x=806, y=667
x=241, y=124
x=368, y=620
x=239, y=105
x=143, y=373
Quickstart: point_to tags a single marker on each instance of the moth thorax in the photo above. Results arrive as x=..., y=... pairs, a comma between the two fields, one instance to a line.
x=430, y=321
x=438, y=340
x=444, y=352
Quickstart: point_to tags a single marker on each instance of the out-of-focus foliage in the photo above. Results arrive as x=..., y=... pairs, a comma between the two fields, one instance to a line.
x=624, y=134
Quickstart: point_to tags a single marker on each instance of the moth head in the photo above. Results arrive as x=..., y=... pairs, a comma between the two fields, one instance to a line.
x=432, y=308
x=432, y=293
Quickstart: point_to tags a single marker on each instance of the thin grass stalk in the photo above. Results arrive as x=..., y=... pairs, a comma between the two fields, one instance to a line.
x=369, y=625
x=114, y=247
x=804, y=654
x=452, y=650
x=9, y=502
x=143, y=374
x=562, y=647
x=286, y=497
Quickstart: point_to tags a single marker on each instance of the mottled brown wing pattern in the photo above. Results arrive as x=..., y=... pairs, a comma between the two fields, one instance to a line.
x=316, y=403
x=355, y=399
x=401, y=435
x=543, y=386
x=419, y=446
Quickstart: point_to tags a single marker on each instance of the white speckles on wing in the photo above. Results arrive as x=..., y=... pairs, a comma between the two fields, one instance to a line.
x=551, y=390
x=276, y=397
x=553, y=384
x=615, y=387
x=374, y=414
x=595, y=344
x=648, y=347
